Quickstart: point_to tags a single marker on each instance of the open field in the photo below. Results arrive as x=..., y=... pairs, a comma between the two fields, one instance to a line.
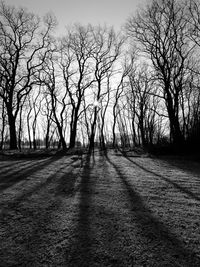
x=112, y=211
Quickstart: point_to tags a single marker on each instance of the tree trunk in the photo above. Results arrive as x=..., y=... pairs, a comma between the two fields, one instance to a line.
x=3, y=126
x=177, y=136
x=12, y=129
x=142, y=131
x=102, y=138
x=73, y=132
x=175, y=131
x=47, y=135
x=62, y=139
x=113, y=131
x=91, y=146
x=72, y=138
x=60, y=130
x=93, y=129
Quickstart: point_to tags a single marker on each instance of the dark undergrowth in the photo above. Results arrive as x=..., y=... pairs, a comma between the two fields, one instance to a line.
x=38, y=153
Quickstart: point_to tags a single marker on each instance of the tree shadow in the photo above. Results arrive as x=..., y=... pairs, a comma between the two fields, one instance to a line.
x=8, y=179
x=66, y=183
x=152, y=228
x=187, y=164
x=14, y=169
x=175, y=184
x=61, y=189
x=37, y=233
x=65, y=188
x=81, y=248
x=15, y=163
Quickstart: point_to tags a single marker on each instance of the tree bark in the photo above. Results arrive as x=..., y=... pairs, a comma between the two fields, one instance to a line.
x=12, y=130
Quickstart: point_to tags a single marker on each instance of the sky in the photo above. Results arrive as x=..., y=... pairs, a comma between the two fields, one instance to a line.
x=110, y=12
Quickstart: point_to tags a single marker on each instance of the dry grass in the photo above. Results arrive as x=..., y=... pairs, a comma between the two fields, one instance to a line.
x=113, y=211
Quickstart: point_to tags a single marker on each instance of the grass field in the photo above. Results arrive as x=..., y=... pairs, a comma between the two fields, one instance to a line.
x=114, y=210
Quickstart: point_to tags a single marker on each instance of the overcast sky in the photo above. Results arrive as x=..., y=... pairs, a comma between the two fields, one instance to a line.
x=112, y=12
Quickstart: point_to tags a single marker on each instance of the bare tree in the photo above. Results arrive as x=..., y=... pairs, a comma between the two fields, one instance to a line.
x=105, y=100
x=20, y=128
x=119, y=92
x=36, y=110
x=2, y=123
x=143, y=91
x=76, y=54
x=23, y=46
x=162, y=32
x=49, y=78
x=194, y=21
x=107, y=50
x=46, y=111
x=28, y=108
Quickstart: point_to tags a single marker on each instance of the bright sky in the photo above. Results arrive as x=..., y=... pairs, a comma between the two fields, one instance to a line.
x=112, y=12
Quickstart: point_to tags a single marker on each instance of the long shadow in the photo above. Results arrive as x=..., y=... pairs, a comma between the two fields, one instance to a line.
x=12, y=178
x=81, y=249
x=36, y=239
x=12, y=164
x=45, y=183
x=66, y=183
x=66, y=186
x=176, y=185
x=14, y=169
x=154, y=228
x=187, y=164
x=39, y=216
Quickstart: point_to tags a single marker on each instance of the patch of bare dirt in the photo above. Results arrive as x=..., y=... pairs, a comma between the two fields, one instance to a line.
x=111, y=210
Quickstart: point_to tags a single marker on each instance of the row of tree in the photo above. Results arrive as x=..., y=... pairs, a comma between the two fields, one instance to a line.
x=139, y=88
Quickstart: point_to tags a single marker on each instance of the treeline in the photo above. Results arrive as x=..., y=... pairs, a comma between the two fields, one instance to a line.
x=93, y=85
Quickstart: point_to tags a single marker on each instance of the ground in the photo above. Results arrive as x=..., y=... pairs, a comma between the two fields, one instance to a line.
x=111, y=210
